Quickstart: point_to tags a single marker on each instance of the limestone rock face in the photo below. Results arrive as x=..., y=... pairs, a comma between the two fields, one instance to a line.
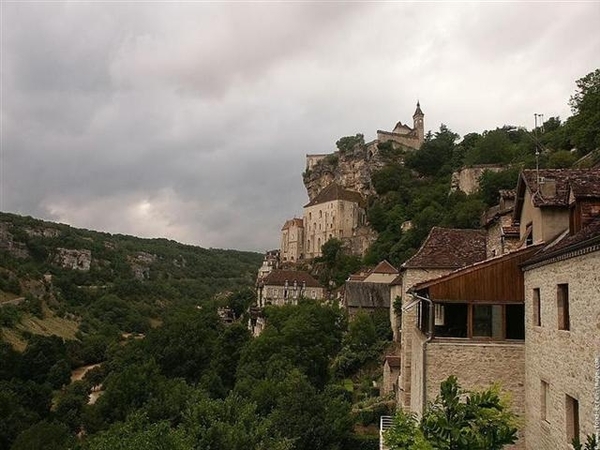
x=140, y=264
x=74, y=259
x=7, y=242
x=467, y=178
x=350, y=169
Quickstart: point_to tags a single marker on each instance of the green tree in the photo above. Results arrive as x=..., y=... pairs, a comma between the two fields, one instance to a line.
x=584, y=125
x=45, y=436
x=457, y=420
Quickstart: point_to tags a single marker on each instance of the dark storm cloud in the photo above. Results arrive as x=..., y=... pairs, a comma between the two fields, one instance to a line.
x=191, y=121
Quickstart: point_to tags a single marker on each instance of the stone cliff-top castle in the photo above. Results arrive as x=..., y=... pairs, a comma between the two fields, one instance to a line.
x=337, y=196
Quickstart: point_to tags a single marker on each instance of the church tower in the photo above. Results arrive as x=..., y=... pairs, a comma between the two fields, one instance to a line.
x=418, y=124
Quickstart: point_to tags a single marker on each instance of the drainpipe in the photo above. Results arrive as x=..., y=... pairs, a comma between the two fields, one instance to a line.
x=429, y=335
x=597, y=399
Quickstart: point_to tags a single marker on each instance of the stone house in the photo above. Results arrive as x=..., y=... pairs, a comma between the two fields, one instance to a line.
x=391, y=370
x=470, y=323
x=282, y=287
x=369, y=290
x=292, y=240
x=443, y=251
x=502, y=236
x=542, y=201
x=271, y=261
x=334, y=213
x=562, y=323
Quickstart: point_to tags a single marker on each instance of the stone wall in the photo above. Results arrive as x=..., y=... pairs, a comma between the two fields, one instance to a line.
x=562, y=359
x=477, y=366
x=410, y=277
x=467, y=179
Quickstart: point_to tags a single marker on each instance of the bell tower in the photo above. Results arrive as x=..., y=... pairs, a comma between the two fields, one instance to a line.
x=418, y=124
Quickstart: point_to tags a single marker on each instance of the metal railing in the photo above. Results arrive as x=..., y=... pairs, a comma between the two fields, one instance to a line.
x=385, y=423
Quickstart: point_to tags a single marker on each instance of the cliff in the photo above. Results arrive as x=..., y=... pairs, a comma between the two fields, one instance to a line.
x=351, y=167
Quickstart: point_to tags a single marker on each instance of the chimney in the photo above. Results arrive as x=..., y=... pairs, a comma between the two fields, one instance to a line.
x=548, y=188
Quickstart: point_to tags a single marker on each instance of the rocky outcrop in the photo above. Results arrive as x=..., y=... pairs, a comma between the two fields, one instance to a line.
x=44, y=232
x=73, y=259
x=351, y=169
x=467, y=178
x=140, y=264
x=7, y=243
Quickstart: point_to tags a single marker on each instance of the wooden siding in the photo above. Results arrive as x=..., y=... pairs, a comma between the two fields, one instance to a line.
x=497, y=281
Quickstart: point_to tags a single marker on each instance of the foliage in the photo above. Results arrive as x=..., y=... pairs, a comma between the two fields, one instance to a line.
x=491, y=182
x=591, y=443
x=584, y=125
x=337, y=263
x=456, y=420
x=45, y=435
x=349, y=143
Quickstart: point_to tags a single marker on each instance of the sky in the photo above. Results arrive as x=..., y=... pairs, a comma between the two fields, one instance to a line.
x=191, y=120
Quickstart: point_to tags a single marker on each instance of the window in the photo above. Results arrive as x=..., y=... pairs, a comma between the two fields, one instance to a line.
x=562, y=302
x=487, y=321
x=544, y=391
x=537, y=308
x=572, y=411
x=439, y=315
x=515, y=321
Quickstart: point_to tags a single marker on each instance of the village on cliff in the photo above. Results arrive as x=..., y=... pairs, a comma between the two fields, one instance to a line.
x=514, y=302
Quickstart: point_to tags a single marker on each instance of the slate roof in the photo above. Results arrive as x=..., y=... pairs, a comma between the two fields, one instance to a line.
x=361, y=294
x=448, y=248
x=512, y=230
x=418, y=110
x=335, y=192
x=279, y=277
x=295, y=221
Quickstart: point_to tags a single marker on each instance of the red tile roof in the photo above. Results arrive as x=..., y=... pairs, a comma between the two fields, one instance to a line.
x=279, y=277
x=393, y=361
x=449, y=248
x=566, y=243
x=586, y=178
x=385, y=267
x=336, y=192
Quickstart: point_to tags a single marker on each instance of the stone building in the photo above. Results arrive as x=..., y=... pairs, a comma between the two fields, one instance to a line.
x=562, y=311
x=502, y=236
x=391, y=370
x=443, y=251
x=403, y=135
x=292, y=240
x=282, y=287
x=369, y=291
x=271, y=261
x=542, y=201
x=334, y=213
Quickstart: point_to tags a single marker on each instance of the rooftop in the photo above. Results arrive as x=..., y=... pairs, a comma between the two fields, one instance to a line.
x=335, y=192
x=448, y=248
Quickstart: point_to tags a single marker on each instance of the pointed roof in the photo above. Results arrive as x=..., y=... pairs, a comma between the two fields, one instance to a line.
x=449, y=248
x=418, y=111
x=293, y=222
x=335, y=192
x=385, y=267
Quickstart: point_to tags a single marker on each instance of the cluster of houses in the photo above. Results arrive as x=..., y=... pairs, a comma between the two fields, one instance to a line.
x=515, y=303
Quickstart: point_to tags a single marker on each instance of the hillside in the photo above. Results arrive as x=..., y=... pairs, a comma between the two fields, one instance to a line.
x=56, y=279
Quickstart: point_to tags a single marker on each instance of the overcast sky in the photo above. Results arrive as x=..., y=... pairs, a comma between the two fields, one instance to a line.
x=191, y=120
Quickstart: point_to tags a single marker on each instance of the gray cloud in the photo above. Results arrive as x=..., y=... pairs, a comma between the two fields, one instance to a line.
x=191, y=121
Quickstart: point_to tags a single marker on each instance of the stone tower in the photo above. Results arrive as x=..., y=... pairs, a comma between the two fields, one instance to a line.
x=418, y=124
